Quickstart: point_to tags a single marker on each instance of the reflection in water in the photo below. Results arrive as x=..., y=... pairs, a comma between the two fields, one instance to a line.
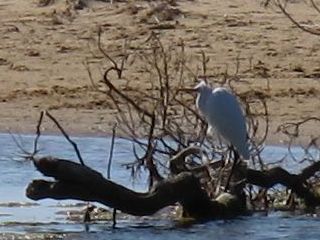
x=43, y=218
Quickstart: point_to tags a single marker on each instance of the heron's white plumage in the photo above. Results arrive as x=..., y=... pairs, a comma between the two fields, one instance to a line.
x=222, y=111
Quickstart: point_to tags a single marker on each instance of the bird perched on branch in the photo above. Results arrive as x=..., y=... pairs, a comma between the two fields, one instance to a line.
x=222, y=111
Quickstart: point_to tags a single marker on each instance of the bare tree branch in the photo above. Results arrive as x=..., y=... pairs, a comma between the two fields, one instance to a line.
x=282, y=7
x=75, y=146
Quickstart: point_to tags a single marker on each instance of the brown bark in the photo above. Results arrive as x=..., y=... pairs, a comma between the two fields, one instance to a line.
x=74, y=181
x=295, y=182
x=266, y=179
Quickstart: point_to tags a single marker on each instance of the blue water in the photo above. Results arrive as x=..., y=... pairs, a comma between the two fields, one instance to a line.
x=16, y=173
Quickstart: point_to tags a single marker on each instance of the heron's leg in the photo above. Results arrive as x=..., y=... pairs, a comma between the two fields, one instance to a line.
x=235, y=162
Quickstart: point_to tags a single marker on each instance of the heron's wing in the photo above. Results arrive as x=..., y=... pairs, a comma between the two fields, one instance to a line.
x=224, y=113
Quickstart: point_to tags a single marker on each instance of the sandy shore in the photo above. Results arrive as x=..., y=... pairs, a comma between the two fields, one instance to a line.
x=42, y=52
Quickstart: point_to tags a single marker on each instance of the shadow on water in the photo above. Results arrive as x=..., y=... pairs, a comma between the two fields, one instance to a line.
x=21, y=218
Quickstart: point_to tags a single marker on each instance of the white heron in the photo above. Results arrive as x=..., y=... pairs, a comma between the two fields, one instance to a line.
x=222, y=111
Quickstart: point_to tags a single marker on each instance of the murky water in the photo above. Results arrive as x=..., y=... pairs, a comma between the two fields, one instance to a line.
x=42, y=217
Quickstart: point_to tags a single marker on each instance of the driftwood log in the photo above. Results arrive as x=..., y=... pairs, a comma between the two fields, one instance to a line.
x=74, y=181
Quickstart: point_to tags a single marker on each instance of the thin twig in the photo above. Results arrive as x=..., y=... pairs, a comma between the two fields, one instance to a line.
x=315, y=6
x=114, y=213
x=111, y=151
x=122, y=95
x=103, y=51
x=114, y=218
x=294, y=127
x=38, y=132
x=296, y=23
x=64, y=133
x=25, y=153
x=87, y=66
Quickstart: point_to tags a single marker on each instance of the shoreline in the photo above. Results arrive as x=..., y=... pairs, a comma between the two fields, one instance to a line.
x=44, y=69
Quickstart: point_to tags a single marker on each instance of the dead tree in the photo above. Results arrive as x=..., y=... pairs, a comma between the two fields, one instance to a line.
x=75, y=181
x=176, y=139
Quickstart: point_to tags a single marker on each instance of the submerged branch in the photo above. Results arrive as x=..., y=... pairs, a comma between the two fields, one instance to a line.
x=295, y=182
x=74, y=181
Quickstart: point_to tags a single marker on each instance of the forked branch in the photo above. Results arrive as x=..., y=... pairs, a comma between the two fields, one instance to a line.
x=74, y=181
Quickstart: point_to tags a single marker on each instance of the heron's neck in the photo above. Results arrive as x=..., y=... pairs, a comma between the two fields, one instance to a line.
x=202, y=98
